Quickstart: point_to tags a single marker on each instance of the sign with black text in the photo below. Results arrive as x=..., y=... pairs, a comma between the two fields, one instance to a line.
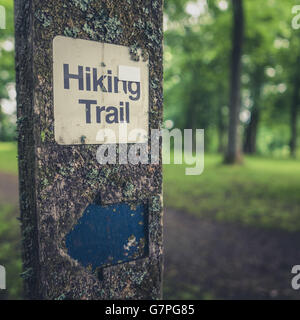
x=98, y=86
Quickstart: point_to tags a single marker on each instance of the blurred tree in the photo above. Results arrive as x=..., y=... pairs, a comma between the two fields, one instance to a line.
x=294, y=110
x=198, y=51
x=257, y=80
x=233, y=154
x=267, y=32
x=196, y=64
x=293, y=78
x=7, y=75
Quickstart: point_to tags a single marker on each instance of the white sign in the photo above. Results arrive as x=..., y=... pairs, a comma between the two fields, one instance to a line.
x=98, y=86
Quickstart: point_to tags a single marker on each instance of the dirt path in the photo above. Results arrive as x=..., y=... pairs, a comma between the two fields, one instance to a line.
x=8, y=188
x=205, y=259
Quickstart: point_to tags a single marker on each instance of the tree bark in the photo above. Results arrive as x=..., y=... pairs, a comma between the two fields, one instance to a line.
x=233, y=154
x=58, y=182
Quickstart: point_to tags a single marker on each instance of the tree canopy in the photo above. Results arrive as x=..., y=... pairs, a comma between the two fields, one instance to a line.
x=198, y=43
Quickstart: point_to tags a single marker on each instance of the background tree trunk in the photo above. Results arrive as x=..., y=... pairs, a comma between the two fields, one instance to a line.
x=251, y=132
x=294, y=113
x=221, y=131
x=252, y=127
x=1, y=123
x=233, y=150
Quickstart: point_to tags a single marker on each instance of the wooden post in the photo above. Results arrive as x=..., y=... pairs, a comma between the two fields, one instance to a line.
x=90, y=230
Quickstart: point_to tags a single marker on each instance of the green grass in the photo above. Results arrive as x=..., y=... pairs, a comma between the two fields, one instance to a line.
x=8, y=157
x=262, y=192
x=10, y=252
x=10, y=239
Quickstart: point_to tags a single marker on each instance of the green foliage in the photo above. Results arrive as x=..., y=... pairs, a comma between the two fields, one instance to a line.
x=10, y=252
x=7, y=70
x=7, y=127
x=197, y=67
x=185, y=291
x=10, y=239
x=264, y=192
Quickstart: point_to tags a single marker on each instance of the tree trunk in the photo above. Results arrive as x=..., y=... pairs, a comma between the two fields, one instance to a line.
x=294, y=113
x=251, y=132
x=191, y=123
x=221, y=131
x=1, y=120
x=233, y=154
x=252, y=128
x=51, y=207
x=192, y=103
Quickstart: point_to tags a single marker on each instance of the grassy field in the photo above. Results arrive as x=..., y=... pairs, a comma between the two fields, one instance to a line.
x=262, y=192
x=10, y=251
x=8, y=157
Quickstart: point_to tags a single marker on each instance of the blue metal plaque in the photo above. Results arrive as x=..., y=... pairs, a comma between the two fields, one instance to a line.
x=107, y=235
